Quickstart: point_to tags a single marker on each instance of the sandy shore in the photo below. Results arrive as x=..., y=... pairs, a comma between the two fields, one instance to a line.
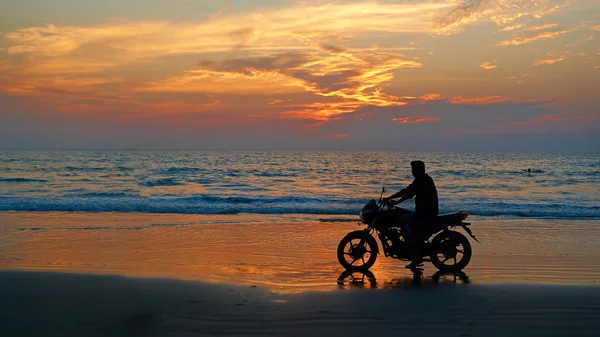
x=56, y=304
x=293, y=254
x=80, y=274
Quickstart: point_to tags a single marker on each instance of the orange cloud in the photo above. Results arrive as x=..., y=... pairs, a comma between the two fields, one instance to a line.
x=279, y=51
x=513, y=27
x=411, y=120
x=353, y=77
x=430, y=97
x=501, y=12
x=542, y=27
x=549, y=61
x=518, y=40
x=76, y=61
x=337, y=136
x=477, y=100
x=323, y=111
x=487, y=66
x=596, y=28
x=483, y=100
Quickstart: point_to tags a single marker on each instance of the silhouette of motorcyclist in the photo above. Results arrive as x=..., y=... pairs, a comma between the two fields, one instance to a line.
x=426, y=205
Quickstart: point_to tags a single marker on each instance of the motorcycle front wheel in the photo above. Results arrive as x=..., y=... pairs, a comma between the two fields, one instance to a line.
x=357, y=251
x=451, y=252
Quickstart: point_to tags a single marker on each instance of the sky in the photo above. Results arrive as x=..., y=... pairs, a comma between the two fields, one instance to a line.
x=407, y=75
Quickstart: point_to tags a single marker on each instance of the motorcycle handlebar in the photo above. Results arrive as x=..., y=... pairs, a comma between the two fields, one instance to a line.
x=389, y=202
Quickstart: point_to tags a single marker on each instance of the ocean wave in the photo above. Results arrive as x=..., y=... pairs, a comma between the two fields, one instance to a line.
x=87, y=169
x=103, y=194
x=179, y=170
x=210, y=204
x=22, y=180
x=161, y=182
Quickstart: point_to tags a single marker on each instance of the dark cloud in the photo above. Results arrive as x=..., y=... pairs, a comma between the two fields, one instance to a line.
x=453, y=119
x=331, y=48
x=243, y=34
x=248, y=65
x=319, y=74
x=461, y=11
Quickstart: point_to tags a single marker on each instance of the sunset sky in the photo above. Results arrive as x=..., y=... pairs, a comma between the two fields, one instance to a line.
x=424, y=75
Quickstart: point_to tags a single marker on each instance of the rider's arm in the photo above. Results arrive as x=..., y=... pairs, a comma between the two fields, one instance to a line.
x=407, y=193
x=396, y=195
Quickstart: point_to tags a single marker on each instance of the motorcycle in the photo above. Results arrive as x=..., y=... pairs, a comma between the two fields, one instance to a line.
x=449, y=251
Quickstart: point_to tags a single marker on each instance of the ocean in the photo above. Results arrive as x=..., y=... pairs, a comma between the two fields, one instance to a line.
x=286, y=184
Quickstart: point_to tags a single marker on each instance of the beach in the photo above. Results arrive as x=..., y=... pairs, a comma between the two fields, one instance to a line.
x=164, y=274
x=294, y=255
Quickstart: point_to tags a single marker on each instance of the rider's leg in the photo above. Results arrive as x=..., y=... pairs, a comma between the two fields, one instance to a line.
x=412, y=250
x=404, y=222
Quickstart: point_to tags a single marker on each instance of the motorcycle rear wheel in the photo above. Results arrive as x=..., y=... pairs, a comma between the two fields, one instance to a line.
x=449, y=245
x=357, y=251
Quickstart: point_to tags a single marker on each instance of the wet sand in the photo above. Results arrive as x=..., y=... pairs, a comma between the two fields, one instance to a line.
x=56, y=304
x=295, y=255
x=82, y=274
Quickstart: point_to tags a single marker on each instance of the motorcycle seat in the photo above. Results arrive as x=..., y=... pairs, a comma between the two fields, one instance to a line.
x=449, y=215
x=441, y=219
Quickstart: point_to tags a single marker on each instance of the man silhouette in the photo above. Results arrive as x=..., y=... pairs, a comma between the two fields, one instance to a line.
x=426, y=205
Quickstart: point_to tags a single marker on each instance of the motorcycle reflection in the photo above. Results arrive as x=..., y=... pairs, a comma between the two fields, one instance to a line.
x=366, y=279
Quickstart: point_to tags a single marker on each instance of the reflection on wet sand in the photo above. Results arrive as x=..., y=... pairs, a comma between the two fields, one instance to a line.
x=366, y=279
x=285, y=257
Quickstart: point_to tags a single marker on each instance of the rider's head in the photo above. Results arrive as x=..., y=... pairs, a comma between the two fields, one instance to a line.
x=418, y=168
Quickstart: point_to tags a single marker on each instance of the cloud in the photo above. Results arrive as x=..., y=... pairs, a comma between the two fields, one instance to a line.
x=4, y=65
x=337, y=136
x=283, y=50
x=596, y=28
x=458, y=100
x=542, y=27
x=455, y=119
x=480, y=100
x=520, y=40
x=503, y=13
x=241, y=35
x=512, y=27
x=431, y=97
x=352, y=78
x=275, y=101
x=411, y=120
x=487, y=65
x=549, y=61
x=460, y=14
x=270, y=28
x=331, y=48
x=253, y=62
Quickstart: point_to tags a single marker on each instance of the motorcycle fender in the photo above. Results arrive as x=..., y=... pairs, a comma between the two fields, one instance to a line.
x=465, y=225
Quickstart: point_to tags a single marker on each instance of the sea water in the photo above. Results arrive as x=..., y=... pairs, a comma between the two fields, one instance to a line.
x=285, y=184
